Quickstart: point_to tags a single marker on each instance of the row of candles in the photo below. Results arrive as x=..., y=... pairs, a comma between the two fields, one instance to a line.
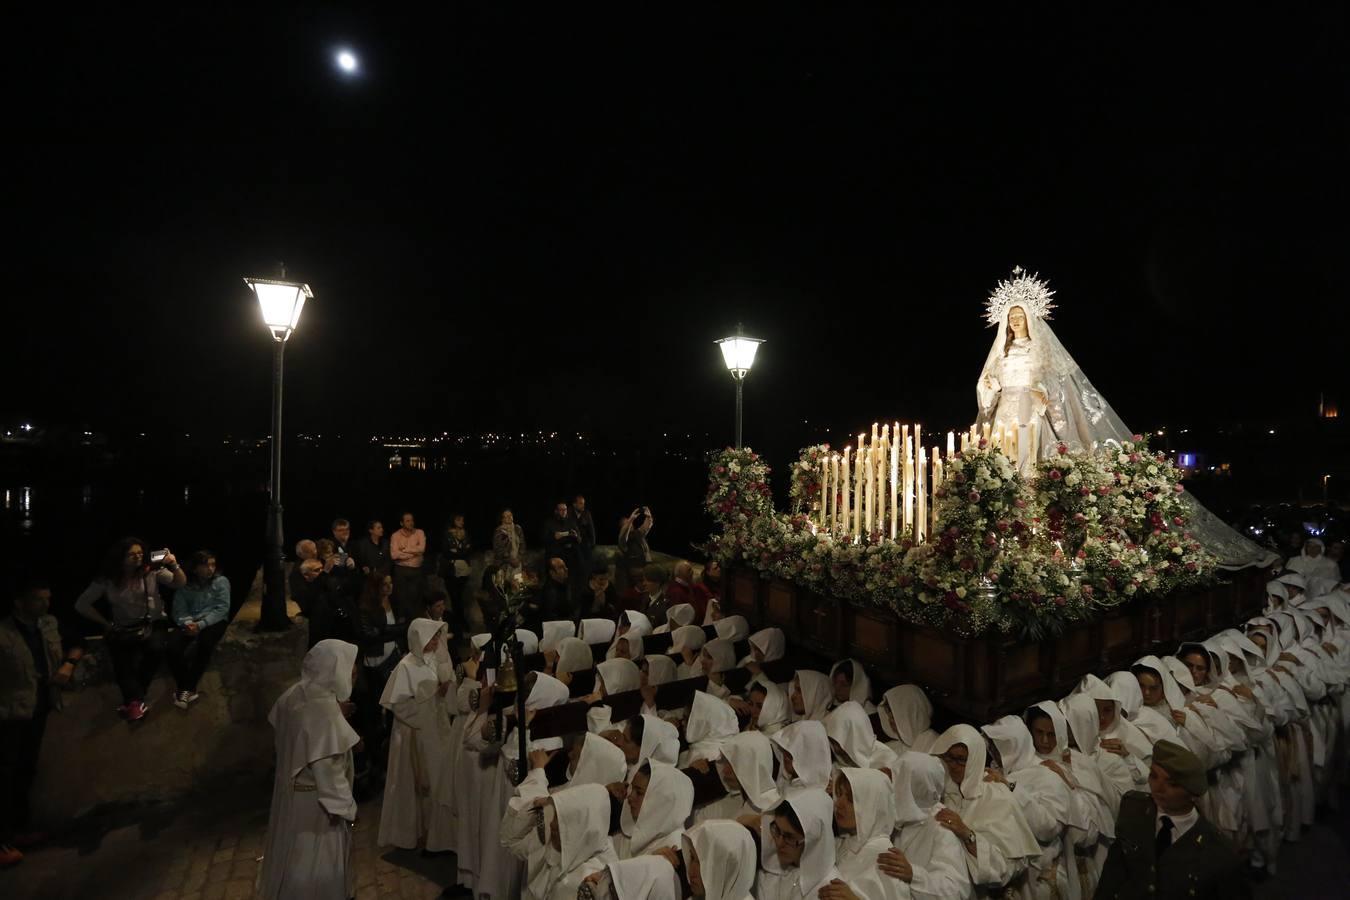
x=886, y=487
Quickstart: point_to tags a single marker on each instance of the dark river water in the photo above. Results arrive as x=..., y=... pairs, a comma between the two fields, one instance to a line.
x=58, y=520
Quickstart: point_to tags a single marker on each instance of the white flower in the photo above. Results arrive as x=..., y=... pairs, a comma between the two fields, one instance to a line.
x=1072, y=478
x=1153, y=470
x=961, y=592
x=1122, y=458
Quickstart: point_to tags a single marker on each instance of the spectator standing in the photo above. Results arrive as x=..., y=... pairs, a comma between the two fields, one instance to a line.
x=632, y=541
x=201, y=611
x=345, y=567
x=508, y=545
x=135, y=629
x=372, y=551
x=456, y=549
x=379, y=633
x=305, y=588
x=304, y=550
x=333, y=611
x=584, y=525
x=408, y=550
x=561, y=539
x=33, y=667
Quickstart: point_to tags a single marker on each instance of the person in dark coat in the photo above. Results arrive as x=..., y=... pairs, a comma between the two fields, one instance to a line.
x=1165, y=849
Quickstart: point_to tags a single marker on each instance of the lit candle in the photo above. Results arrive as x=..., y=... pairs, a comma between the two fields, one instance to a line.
x=907, y=481
x=937, y=483
x=985, y=435
x=826, y=498
x=871, y=490
x=951, y=444
x=895, y=484
x=859, y=464
x=843, y=492
x=921, y=496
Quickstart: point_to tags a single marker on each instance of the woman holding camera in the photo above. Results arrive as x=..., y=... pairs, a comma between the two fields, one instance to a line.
x=136, y=628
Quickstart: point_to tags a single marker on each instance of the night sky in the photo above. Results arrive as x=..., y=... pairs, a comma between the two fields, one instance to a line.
x=544, y=220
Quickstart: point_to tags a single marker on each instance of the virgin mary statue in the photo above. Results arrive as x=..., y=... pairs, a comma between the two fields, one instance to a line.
x=1030, y=383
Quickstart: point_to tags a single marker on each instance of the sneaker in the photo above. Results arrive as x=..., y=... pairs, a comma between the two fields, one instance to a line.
x=180, y=699
x=9, y=856
x=191, y=696
x=136, y=710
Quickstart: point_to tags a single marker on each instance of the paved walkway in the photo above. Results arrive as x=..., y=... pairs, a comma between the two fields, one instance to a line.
x=206, y=849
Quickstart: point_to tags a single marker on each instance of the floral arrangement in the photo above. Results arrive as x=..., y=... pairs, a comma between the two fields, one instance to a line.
x=805, y=491
x=1088, y=531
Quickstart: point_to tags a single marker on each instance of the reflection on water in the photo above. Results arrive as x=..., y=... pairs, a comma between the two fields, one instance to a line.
x=187, y=494
x=87, y=494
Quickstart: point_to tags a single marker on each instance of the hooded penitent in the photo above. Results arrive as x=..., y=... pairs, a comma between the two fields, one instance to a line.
x=906, y=716
x=726, y=858
x=711, y=723
x=816, y=694
x=669, y=800
x=849, y=727
x=874, y=819
x=809, y=746
x=816, y=867
x=986, y=807
x=750, y=756
x=600, y=762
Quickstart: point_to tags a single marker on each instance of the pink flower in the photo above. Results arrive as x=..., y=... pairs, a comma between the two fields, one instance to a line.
x=1115, y=564
x=1178, y=488
x=1136, y=438
x=1056, y=474
x=1134, y=457
x=1103, y=491
x=1085, y=492
x=1059, y=601
x=1177, y=520
x=1020, y=503
x=974, y=496
x=1063, y=449
x=1001, y=525
x=991, y=540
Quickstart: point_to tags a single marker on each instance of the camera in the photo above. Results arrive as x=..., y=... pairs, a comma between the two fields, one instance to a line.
x=157, y=557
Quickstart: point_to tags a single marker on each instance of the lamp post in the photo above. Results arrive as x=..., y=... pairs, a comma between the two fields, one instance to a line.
x=738, y=351
x=280, y=303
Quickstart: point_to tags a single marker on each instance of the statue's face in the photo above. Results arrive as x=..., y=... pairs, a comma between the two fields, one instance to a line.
x=1017, y=321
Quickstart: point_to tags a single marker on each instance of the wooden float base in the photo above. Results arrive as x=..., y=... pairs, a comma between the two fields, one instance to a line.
x=980, y=678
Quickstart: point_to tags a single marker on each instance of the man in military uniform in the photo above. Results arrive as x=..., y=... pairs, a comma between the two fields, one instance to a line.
x=1164, y=848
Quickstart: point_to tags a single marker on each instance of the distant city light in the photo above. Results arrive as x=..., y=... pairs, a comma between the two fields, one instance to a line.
x=347, y=61
x=1272, y=431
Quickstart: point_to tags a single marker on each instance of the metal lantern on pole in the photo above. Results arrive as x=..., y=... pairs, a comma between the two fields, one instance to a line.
x=738, y=351
x=280, y=303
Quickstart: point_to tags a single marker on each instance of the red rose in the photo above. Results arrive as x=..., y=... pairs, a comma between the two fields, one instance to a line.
x=1063, y=449
x=974, y=496
x=1056, y=474
x=991, y=540
x=1178, y=488
x=1115, y=564
x=1136, y=438
x=1001, y=525
x=1020, y=503
x=1085, y=492
x=1103, y=491
x=1134, y=457
x=1177, y=520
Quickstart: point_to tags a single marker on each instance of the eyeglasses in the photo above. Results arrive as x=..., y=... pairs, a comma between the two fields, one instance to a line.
x=785, y=839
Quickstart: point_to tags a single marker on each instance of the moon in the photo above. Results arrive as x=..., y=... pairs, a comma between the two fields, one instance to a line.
x=347, y=61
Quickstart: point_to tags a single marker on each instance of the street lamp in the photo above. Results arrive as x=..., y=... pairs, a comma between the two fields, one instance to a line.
x=738, y=351
x=280, y=303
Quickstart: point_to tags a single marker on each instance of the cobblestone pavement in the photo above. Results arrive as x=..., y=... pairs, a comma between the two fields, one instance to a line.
x=203, y=849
